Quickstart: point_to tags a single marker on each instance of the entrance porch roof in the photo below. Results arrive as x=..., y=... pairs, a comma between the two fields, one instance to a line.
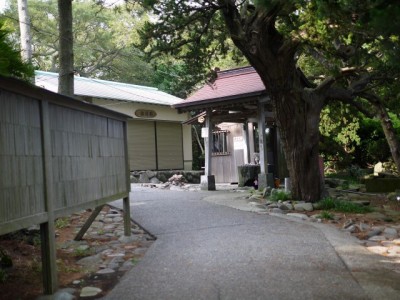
x=236, y=89
x=233, y=96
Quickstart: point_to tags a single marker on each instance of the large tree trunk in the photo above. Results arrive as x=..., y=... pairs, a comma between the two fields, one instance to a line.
x=66, y=54
x=298, y=119
x=390, y=133
x=297, y=107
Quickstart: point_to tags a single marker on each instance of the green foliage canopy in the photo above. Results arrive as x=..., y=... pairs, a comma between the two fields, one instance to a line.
x=11, y=63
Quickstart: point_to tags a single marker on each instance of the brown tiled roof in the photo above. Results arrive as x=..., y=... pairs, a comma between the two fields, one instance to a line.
x=229, y=85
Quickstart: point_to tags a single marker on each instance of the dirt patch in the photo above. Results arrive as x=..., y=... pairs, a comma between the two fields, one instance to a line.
x=24, y=278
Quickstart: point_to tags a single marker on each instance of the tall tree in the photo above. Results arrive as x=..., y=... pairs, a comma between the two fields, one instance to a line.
x=103, y=40
x=66, y=50
x=24, y=24
x=273, y=35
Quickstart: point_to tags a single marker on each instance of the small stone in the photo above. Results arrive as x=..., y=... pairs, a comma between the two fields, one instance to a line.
x=277, y=210
x=129, y=247
x=387, y=243
x=371, y=244
x=396, y=241
x=126, y=266
x=373, y=232
x=129, y=239
x=377, y=238
x=140, y=251
x=90, y=291
x=118, y=219
x=75, y=282
x=304, y=207
x=390, y=232
x=82, y=248
x=109, y=227
x=90, y=261
x=297, y=215
x=116, y=255
x=284, y=206
x=97, y=224
x=105, y=271
x=348, y=223
x=113, y=215
x=63, y=294
x=316, y=205
x=115, y=262
x=155, y=180
x=351, y=228
x=363, y=227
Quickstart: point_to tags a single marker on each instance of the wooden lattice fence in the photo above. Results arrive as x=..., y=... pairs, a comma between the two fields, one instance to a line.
x=57, y=155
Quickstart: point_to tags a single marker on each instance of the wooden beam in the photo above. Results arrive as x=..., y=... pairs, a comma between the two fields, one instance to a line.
x=88, y=222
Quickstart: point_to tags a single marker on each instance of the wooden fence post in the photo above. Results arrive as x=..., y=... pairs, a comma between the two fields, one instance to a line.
x=47, y=231
x=127, y=207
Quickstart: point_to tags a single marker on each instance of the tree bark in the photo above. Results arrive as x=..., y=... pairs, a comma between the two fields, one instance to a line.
x=66, y=54
x=297, y=107
x=387, y=126
x=24, y=25
x=390, y=135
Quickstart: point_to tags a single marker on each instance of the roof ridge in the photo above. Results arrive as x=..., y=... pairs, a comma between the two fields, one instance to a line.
x=235, y=71
x=102, y=81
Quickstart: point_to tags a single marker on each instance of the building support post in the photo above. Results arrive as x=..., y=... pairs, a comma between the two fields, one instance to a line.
x=207, y=181
x=126, y=202
x=264, y=178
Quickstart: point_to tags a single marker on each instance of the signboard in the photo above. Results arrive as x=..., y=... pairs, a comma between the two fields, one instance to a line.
x=145, y=113
x=204, y=132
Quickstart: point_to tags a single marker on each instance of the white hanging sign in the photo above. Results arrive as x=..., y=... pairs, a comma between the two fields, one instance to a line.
x=204, y=132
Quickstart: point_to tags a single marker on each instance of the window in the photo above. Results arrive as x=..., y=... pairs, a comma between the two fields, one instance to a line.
x=220, y=142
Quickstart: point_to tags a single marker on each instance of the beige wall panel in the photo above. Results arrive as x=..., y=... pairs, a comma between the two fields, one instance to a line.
x=142, y=145
x=169, y=146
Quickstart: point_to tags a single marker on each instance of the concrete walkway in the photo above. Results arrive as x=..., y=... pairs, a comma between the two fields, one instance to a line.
x=208, y=250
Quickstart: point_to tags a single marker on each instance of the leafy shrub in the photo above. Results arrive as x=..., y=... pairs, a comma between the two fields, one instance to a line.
x=61, y=223
x=343, y=206
x=326, y=215
x=5, y=259
x=3, y=276
x=279, y=195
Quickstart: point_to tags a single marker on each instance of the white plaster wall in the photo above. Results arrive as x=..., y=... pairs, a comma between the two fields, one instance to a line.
x=187, y=147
